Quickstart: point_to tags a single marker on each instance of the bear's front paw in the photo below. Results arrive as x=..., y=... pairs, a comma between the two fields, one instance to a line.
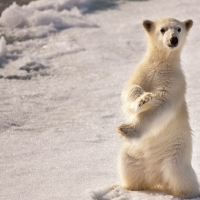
x=146, y=98
x=128, y=131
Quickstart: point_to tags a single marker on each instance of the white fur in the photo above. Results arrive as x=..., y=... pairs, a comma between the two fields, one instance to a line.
x=154, y=101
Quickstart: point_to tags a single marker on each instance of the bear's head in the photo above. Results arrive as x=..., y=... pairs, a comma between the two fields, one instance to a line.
x=167, y=33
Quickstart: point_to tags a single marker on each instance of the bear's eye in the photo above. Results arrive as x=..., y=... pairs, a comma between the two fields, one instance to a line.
x=179, y=29
x=162, y=30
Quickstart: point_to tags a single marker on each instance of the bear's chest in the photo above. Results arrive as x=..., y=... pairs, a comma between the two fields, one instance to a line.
x=158, y=79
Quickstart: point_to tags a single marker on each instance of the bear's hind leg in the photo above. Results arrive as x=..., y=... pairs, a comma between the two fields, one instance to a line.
x=131, y=171
x=181, y=180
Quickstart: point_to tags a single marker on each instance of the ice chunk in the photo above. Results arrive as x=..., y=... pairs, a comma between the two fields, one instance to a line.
x=60, y=5
x=13, y=17
x=3, y=49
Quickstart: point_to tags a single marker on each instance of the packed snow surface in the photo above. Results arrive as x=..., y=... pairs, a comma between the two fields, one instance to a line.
x=62, y=72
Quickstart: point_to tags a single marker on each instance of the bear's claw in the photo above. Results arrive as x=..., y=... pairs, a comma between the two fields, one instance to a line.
x=148, y=97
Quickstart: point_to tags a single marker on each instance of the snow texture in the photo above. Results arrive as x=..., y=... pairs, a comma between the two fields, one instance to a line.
x=40, y=18
x=60, y=83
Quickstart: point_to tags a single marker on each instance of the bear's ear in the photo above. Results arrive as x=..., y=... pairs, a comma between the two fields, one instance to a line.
x=148, y=25
x=188, y=24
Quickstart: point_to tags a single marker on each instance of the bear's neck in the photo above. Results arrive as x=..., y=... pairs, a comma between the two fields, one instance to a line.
x=155, y=55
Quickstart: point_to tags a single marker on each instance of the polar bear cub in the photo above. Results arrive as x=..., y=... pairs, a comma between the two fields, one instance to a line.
x=158, y=142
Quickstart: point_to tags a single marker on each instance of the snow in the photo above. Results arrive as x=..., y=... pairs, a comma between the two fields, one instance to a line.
x=3, y=49
x=60, y=83
x=40, y=18
x=119, y=193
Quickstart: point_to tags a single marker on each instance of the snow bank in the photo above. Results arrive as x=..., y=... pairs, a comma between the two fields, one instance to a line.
x=59, y=5
x=40, y=18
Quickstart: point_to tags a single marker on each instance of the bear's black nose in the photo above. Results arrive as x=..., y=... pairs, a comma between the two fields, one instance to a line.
x=174, y=41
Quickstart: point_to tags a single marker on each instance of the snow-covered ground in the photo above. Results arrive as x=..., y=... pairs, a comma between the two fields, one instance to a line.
x=62, y=72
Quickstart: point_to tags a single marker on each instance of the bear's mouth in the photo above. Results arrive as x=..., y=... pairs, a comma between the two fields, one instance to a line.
x=172, y=45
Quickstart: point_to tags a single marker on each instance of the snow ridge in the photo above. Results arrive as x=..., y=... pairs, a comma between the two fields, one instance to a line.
x=41, y=18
